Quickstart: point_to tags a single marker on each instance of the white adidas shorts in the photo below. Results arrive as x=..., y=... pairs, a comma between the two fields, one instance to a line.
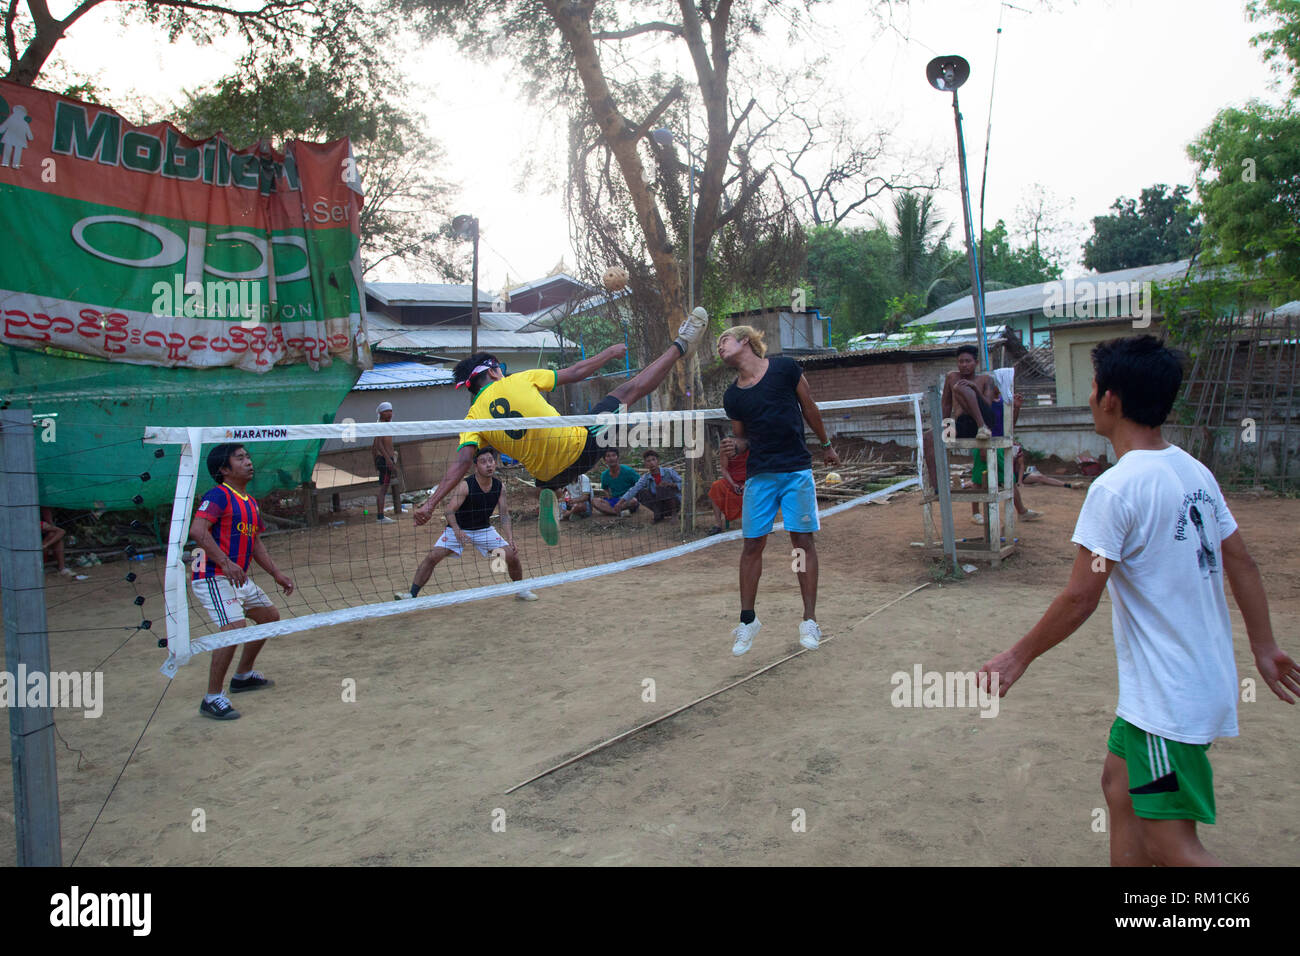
x=224, y=602
x=485, y=539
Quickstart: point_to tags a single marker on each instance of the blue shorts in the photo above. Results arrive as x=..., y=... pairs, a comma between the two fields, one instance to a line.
x=795, y=493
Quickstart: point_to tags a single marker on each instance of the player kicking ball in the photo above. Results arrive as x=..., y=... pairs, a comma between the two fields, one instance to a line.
x=553, y=456
x=768, y=404
x=1153, y=529
x=469, y=525
x=227, y=526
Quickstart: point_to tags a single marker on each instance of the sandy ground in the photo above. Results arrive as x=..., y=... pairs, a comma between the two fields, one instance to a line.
x=455, y=706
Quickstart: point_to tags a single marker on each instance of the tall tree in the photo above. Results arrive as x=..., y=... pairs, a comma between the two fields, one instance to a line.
x=574, y=55
x=928, y=270
x=405, y=215
x=1159, y=226
x=1248, y=173
x=1008, y=267
x=852, y=277
x=342, y=30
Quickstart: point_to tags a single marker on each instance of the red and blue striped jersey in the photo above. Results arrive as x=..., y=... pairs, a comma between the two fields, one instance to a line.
x=236, y=523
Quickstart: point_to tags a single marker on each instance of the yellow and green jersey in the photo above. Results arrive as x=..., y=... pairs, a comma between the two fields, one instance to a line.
x=545, y=452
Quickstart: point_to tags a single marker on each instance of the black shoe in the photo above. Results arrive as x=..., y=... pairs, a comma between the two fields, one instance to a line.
x=256, y=682
x=218, y=709
x=716, y=529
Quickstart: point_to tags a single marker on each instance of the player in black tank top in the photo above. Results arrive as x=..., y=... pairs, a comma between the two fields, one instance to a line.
x=476, y=513
x=469, y=511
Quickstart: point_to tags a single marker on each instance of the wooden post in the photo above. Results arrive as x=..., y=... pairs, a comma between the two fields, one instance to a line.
x=27, y=649
x=943, y=480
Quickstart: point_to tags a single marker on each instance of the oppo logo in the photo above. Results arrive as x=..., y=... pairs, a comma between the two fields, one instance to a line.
x=192, y=247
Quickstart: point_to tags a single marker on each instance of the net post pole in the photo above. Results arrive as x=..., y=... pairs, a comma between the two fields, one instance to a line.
x=178, y=610
x=920, y=442
x=27, y=647
x=942, y=479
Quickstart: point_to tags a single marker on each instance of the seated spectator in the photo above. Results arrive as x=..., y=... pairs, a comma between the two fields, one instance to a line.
x=576, y=501
x=52, y=545
x=615, y=480
x=659, y=489
x=727, y=493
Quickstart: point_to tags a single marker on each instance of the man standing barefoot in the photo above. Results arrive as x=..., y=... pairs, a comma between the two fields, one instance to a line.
x=768, y=404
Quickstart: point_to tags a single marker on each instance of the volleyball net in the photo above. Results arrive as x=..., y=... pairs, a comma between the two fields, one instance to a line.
x=357, y=561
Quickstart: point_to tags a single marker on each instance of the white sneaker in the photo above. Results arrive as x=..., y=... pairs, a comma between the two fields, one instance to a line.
x=977, y=519
x=983, y=434
x=744, y=635
x=404, y=596
x=385, y=520
x=810, y=635
x=693, y=328
x=526, y=596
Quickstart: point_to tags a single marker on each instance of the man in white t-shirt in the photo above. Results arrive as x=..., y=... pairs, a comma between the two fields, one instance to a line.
x=1156, y=530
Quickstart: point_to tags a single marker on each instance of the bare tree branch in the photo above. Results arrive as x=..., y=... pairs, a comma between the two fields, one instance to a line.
x=658, y=26
x=657, y=113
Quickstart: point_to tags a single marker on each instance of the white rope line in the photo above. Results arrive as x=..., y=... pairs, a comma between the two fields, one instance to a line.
x=212, y=642
x=699, y=700
x=170, y=435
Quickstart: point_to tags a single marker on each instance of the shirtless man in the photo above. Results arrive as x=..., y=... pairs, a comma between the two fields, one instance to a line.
x=386, y=464
x=976, y=399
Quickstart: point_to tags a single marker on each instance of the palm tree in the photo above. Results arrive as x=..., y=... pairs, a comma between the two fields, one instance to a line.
x=924, y=265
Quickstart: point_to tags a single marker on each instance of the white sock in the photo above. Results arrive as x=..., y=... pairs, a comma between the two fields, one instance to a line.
x=245, y=676
x=209, y=698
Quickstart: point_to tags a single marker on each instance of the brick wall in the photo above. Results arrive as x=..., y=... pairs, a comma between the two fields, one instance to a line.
x=877, y=378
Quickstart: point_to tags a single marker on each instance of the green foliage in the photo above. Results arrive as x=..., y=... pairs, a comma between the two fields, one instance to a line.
x=1008, y=267
x=920, y=336
x=1249, y=181
x=874, y=280
x=1282, y=43
x=850, y=276
x=1248, y=170
x=406, y=210
x=1157, y=227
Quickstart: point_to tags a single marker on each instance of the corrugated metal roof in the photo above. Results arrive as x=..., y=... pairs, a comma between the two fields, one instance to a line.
x=939, y=338
x=1067, y=294
x=386, y=334
x=425, y=293
x=403, y=375
x=546, y=318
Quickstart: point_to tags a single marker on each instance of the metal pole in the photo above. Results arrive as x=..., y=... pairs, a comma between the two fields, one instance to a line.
x=473, y=320
x=977, y=287
x=27, y=649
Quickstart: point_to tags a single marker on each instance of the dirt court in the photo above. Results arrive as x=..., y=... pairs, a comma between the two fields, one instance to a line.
x=454, y=706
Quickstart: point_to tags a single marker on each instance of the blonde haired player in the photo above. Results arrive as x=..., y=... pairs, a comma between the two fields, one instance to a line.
x=553, y=456
x=768, y=404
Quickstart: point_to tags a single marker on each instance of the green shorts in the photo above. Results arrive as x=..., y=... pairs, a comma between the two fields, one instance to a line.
x=979, y=469
x=1167, y=780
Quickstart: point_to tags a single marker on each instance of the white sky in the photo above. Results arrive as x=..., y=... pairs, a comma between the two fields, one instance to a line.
x=1095, y=99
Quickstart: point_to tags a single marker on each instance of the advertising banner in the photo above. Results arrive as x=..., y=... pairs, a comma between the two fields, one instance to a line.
x=138, y=244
